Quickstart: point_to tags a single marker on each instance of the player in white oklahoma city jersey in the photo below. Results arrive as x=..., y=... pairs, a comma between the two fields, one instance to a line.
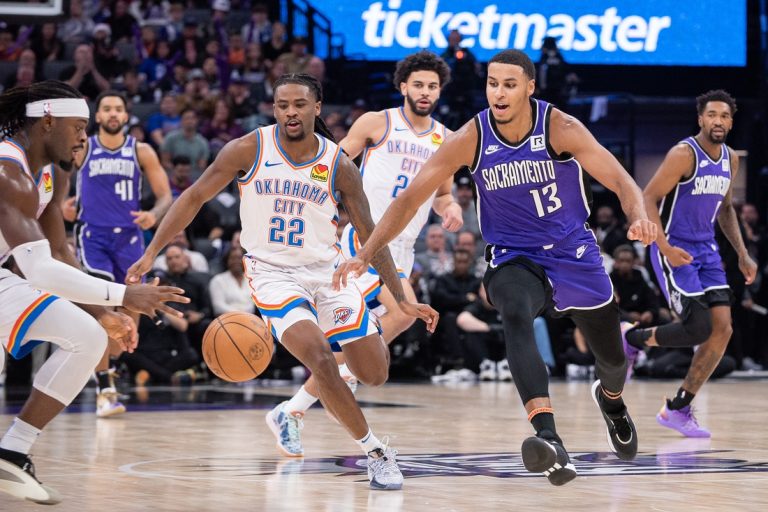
x=41, y=124
x=291, y=179
x=395, y=143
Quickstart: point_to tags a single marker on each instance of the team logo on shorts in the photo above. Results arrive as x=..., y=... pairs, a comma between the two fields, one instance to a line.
x=319, y=173
x=47, y=182
x=341, y=315
x=677, y=303
x=437, y=139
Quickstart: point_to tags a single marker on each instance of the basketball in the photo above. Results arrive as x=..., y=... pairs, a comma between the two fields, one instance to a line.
x=237, y=346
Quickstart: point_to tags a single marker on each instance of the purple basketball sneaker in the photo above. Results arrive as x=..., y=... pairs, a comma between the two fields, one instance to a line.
x=681, y=420
x=629, y=351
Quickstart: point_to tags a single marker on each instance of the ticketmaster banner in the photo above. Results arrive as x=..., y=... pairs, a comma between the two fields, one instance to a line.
x=642, y=32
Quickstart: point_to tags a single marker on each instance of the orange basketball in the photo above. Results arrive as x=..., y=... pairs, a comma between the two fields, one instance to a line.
x=237, y=346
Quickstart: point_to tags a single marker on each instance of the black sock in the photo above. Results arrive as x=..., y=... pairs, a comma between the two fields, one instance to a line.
x=103, y=380
x=544, y=424
x=638, y=337
x=682, y=398
x=610, y=405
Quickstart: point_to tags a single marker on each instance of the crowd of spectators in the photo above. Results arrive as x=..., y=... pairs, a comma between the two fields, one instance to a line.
x=199, y=74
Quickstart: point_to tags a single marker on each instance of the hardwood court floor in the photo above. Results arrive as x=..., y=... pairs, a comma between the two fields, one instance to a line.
x=459, y=449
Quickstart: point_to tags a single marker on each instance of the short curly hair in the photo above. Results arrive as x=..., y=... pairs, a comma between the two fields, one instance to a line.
x=421, y=61
x=716, y=95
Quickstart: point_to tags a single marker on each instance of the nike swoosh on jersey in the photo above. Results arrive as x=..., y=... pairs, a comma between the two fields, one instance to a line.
x=401, y=129
x=271, y=164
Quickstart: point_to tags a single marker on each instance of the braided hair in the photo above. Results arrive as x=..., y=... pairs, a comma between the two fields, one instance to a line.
x=13, y=103
x=316, y=89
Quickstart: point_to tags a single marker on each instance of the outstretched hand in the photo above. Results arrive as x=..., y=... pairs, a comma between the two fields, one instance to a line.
x=423, y=311
x=354, y=266
x=121, y=328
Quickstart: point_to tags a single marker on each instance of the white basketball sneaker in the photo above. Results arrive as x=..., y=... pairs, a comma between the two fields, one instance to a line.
x=17, y=478
x=383, y=472
x=286, y=426
x=107, y=403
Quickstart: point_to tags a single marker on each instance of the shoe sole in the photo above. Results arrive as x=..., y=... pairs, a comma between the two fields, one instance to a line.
x=269, y=418
x=539, y=457
x=621, y=456
x=111, y=412
x=17, y=483
x=385, y=487
x=665, y=424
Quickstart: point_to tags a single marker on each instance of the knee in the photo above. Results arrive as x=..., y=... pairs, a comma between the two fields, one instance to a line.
x=322, y=364
x=374, y=376
x=698, y=326
x=91, y=338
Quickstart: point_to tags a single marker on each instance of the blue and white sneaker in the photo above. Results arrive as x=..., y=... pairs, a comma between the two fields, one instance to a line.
x=286, y=426
x=383, y=471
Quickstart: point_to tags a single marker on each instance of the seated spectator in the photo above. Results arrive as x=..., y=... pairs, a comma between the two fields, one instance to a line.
x=173, y=82
x=157, y=64
x=197, y=94
x=174, y=24
x=465, y=198
x=122, y=22
x=45, y=43
x=609, y=232
x=673, y=363
x=483, y=343
x=133, y=86
x=212, y=73
x=236, y=53
x=78, y=27
x=186, y=141
x=164, y=355
x=263, y=93
x=297, y=60
x=637, y=301
x=466, y=240
x=253, y=70
x=276, y=46
x=221, y=128
x=230, y=290
x=137, y=132
x=180, y=175
x=84, y=75
x=164, y=122
x=450, y=294
x=239, y=99
x=197, y=262
x=106, y=55
x=259, y=28
x=436, y=260
x=198, y=312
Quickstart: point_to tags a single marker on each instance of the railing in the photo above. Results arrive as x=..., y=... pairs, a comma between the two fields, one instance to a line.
x=303, y=19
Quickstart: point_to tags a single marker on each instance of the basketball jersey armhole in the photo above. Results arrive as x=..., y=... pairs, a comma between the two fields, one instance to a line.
x=683, y=179
x=332, y=177
x=387, y=129
x=244, y=180
x=559, y=157
x=479, y=145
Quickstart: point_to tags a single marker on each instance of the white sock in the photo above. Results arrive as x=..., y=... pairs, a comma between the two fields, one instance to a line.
x=20, y=437
x=344, y=371
x=301, y=401
x=369, y=442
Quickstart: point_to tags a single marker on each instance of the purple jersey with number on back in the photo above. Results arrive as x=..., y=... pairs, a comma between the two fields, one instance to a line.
x=527, y=197
x=109, y=184
x=689, y=211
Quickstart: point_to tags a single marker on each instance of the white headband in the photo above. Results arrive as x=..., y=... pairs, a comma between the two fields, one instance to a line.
x=59, y=107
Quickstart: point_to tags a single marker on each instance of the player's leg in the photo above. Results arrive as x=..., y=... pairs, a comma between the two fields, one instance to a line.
x=677, y=413
x=602, y=332
x=309, y=345
x=519, y=295
x=81, y=340
x=394, y=322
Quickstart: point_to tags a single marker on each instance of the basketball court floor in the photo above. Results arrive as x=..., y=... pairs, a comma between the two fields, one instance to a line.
x=207, y=448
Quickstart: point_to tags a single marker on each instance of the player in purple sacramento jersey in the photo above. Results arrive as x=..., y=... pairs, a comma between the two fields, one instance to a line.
x=693, y=185
x=109, y=222
x=527, y=159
